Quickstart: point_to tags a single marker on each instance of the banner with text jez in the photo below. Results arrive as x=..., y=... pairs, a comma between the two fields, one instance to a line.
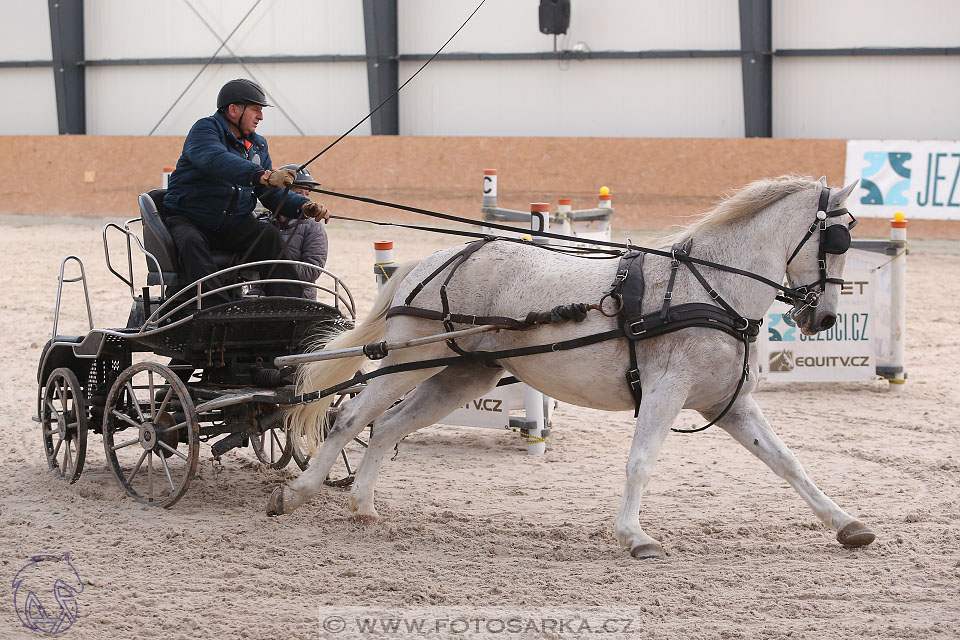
x=848, y=351
x=919, y=177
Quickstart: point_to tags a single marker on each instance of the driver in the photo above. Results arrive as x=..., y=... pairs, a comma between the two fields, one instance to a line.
x=224, y=168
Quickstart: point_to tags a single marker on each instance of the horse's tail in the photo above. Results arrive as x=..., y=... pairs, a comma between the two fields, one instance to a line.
x=310, y=420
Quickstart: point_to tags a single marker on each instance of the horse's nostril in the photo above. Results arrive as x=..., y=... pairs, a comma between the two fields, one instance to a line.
x=827, y=322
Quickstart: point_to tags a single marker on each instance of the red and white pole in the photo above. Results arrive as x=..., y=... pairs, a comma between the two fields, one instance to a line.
x=604, y=200
x=898, y=299
x=490, y=188
x=383, y=262
x=165, y=179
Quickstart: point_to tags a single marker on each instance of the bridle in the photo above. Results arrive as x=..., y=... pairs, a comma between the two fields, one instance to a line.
x=833, y=239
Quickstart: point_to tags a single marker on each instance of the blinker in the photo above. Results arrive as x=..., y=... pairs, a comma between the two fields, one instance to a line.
x=836, y=239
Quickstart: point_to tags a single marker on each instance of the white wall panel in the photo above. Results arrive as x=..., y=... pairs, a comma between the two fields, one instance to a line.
x=149, y=29
x=828, y=24
x=602, y=25
x=322, y=98
x=24, y=30
x=873, y=97
x=34, y=112
x=655, y=98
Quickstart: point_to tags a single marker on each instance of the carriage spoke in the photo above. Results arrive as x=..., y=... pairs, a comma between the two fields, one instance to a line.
x=137, y=468
x=125, y=418
x=153, y=400
x=275, y=439
x=53, y=411
x=125, y=444
x=67, y=460
x=150, y=474
x=56, y=449
x=346, y=462
x=171, y=449
x=166, y=470
x=176, y=427
x=135, y=401
x=62, y=393
x=166, y=399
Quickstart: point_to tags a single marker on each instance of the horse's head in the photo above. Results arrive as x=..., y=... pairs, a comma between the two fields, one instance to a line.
x=817, y=260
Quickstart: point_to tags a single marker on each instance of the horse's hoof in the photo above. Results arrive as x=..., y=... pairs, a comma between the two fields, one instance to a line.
x=855, y=534
x=275, y=506
x=365, y=519
x=648, y=551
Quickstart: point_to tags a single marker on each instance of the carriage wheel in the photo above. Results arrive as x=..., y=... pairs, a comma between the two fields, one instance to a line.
x=342, y=472
x=151, y=434
x=273, y=447
x=63, y=422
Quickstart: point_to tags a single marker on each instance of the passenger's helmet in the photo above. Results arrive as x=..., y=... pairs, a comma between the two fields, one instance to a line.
x=303, y=175
x=241, y=91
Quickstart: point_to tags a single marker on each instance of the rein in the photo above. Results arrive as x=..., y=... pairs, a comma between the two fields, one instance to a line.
x=795, y=296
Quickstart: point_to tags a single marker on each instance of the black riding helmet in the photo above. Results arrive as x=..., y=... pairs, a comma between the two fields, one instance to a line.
x=241, y=91
x=303, y=175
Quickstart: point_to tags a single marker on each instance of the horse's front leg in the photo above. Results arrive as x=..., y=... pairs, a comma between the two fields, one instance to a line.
x=657, y=412
x=745, y=422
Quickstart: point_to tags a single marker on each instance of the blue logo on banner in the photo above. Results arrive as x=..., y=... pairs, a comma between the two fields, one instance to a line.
x=886, y=178
x=789, y=331
x=45, y=594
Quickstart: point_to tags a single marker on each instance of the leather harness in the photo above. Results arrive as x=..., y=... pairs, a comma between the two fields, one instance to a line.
x=627, y=291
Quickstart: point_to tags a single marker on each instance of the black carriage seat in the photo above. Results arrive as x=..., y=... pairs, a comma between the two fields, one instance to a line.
x=158, y=241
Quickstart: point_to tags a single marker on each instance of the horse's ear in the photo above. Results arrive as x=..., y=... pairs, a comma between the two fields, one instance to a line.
x=823, y=180
x=841, y=196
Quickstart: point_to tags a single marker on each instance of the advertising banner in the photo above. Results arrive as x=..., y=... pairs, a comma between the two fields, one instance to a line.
x=919, y=177
x=848, y=351
x=491, y=410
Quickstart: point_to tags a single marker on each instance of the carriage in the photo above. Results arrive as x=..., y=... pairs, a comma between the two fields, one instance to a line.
x=180, y=372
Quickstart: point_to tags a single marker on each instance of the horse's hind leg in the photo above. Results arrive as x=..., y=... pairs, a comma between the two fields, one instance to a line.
x=745, y=422
x=661, y=404
x=430, y=401
x=355, y=414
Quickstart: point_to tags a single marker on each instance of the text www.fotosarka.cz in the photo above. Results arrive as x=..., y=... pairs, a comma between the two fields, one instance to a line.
x=442, y=622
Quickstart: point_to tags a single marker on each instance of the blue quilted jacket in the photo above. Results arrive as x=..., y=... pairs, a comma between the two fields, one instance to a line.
x=217, y=179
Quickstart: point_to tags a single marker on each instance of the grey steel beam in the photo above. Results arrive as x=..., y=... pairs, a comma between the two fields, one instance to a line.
x=20, y=64
x=756, y=43
x=869, y=51
x=130, y=62
x=66, y=40
x=580, y=55
x=545, y=55
x=383, y=67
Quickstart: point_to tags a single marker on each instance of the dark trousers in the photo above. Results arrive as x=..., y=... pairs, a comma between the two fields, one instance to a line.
x=195, y=246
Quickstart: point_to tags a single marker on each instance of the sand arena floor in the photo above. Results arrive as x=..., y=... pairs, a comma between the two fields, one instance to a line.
x=468, y=520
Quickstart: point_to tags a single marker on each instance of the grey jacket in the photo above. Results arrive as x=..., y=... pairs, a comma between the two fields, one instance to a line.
x=306, y=242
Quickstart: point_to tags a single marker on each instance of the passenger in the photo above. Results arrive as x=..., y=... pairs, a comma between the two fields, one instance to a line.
x=306, y=239
x=224, y=168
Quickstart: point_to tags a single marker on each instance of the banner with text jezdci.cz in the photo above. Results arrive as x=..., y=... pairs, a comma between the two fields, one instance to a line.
x=919, y=177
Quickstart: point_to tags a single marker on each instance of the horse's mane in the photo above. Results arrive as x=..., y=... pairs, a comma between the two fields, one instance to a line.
x=744, y=202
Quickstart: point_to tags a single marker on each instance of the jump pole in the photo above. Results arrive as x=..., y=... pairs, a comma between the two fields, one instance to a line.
x=383, y=265
x=533, y=399
x=898, y=300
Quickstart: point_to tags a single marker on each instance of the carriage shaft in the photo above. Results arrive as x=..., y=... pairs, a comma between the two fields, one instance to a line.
x=381, y=347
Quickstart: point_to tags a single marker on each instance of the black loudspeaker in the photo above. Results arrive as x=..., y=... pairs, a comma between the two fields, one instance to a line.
x=554, y=16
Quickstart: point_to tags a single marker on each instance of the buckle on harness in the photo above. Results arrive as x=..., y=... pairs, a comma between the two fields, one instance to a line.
x=633, y=328
x=633, y=378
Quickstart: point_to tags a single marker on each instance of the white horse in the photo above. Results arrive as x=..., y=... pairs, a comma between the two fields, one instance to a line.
x=756, y=230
